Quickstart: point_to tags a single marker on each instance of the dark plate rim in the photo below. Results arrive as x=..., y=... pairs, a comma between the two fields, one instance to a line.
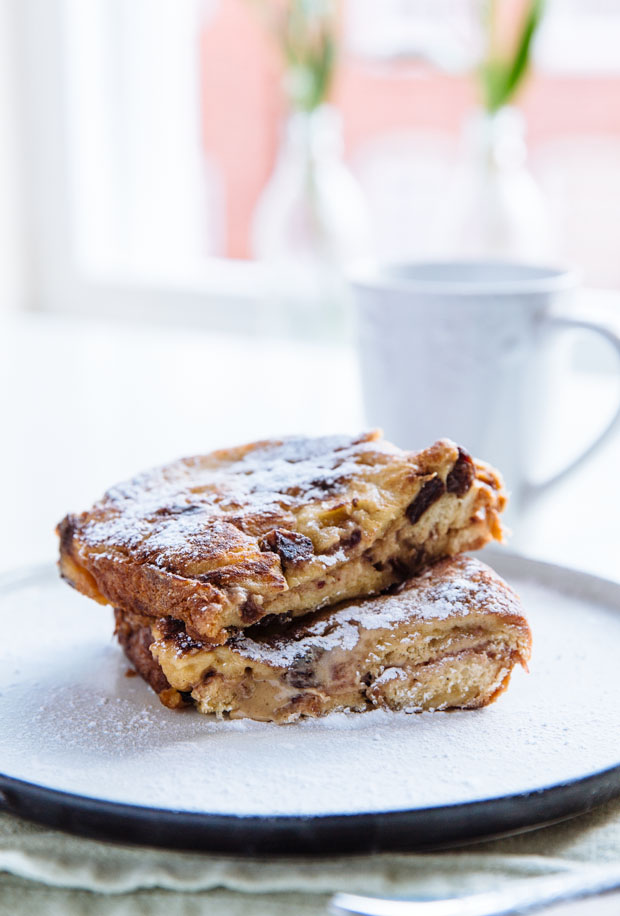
x=421, y=829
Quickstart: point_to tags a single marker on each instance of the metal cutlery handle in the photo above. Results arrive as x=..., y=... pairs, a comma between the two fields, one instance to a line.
x=536, y=894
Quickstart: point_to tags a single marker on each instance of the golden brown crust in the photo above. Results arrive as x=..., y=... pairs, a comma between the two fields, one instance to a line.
x=449, y=638
x=134, y=634
x=278, y=527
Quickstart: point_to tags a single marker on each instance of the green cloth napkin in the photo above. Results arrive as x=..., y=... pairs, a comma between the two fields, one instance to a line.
x=45, y=871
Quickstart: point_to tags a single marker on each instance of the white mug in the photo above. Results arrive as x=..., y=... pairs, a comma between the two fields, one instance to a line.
x=461, y=350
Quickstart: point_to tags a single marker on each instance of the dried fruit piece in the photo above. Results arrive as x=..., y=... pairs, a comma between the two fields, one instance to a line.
x=291, y=547
x=462, y=475
x=429, y=493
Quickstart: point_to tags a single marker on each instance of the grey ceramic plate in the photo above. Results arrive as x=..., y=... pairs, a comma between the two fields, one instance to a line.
x=87, y=749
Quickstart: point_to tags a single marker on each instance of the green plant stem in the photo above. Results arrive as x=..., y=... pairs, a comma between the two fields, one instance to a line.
x=304, y=31
x=501, y=79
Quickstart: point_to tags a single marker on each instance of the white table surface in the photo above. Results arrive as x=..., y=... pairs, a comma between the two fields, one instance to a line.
x=84, y=404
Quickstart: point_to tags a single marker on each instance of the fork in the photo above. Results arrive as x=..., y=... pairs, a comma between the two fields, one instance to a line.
x=533, y=895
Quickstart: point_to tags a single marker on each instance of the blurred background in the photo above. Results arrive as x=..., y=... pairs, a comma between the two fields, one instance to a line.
x=182, y=183
x=152, y=152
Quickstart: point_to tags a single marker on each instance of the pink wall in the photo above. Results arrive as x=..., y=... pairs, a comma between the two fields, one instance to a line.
x=242, y=107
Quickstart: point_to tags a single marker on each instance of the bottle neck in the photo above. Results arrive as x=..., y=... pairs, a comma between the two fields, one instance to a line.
x=314, y=135
x=497, y=139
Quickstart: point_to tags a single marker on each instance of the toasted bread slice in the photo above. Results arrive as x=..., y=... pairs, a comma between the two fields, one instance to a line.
x=449, y=638
x=279, y=527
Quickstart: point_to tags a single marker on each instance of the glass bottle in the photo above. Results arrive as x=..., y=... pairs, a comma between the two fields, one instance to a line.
x=312, y=216
x=493, y=208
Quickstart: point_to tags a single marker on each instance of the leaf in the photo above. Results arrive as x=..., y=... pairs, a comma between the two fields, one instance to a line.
x=522, y=55
x=501, y=79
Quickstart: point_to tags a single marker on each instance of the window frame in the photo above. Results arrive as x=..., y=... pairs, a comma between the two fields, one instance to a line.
x=222, y=293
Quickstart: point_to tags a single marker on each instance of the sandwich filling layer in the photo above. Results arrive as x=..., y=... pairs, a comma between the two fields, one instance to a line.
x=449, y=638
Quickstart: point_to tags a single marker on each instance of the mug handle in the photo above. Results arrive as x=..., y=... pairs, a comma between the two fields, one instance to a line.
x=605, y=327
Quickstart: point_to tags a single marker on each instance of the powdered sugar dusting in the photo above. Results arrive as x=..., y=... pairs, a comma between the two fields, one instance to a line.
x=390, y=674
x=178, y=508
x=198, y=514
